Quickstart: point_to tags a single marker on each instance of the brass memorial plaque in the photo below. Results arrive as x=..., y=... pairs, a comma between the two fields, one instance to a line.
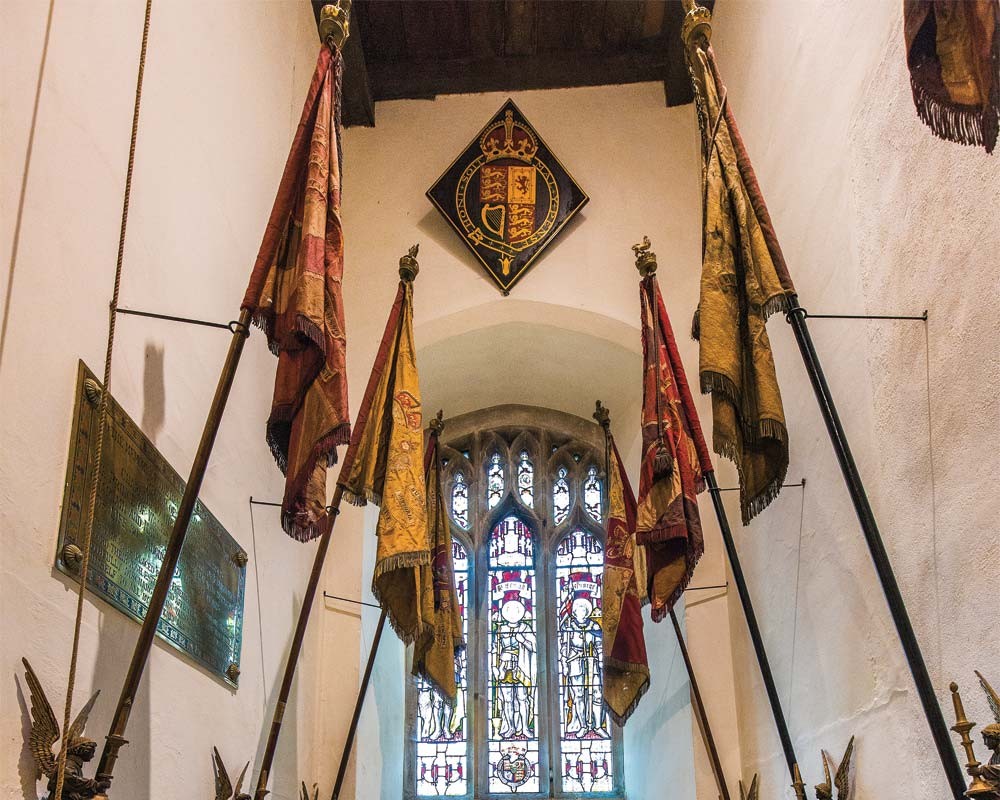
x=137, y=499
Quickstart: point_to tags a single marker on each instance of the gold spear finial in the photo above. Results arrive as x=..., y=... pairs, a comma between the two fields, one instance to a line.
x=408, y=266
x=645, y=259
x=696, y=30
x=437, y=423
x=335, y=22
x=602, y=415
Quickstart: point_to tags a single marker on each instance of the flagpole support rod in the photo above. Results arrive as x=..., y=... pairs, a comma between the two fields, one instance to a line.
x=806, y=315
x=328, y=596
x=876, y=547
x=233, y=326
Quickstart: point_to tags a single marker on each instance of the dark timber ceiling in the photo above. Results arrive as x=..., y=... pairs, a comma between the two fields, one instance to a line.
x=408, y=49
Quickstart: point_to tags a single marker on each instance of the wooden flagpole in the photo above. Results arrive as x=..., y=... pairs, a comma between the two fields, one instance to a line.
x=336, y=21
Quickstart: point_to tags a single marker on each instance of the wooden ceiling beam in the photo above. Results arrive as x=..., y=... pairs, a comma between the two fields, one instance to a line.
x=425, y=80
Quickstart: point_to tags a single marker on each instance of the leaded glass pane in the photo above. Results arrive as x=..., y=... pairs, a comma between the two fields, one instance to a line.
x=585, y=745
x=494, y=481
x=513, y=675
x=442, y=763
x=592, y=494
x=460, y=501
x=526, y=479
x=560, y=496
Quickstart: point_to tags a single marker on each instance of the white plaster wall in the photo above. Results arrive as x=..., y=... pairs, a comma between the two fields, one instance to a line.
x=875, y=215
x=223, y=90
x=567, y=335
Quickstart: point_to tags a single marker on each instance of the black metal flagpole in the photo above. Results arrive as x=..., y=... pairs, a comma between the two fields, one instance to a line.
x=796, y=317
x=697, y=30
x=345, y=755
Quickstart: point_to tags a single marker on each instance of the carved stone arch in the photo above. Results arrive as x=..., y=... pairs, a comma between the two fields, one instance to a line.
x=577, y=518
x=511, y=506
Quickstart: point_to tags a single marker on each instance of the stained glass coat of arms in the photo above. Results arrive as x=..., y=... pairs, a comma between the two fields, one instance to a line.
x=507, y=196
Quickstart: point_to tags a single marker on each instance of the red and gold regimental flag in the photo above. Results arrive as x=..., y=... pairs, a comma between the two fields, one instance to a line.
x=384, y=465
x=674, y=455
x=626, y=668
x=295, y=295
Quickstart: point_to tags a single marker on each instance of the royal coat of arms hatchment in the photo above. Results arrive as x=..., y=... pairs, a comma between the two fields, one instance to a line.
x=507, y=196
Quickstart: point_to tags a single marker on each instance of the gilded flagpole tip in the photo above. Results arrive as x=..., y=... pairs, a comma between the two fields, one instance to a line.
x=408, y=266
x=335, y=22
x=696, y=30
x=437, y=423
x=645, y=259
x=602, y=415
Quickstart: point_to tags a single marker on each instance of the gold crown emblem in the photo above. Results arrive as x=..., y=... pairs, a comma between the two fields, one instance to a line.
x=508, y=139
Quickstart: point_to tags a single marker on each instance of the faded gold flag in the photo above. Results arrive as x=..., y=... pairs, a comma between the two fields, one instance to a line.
x=744, y=280
x=384, y=465
x=434, y=654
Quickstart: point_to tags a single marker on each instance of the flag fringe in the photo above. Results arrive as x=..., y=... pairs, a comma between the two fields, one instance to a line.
x=363, y=498
x=626, y=667
x=961, y=124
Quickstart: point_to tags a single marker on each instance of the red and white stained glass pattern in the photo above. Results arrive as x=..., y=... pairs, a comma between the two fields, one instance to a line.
x=560, y=497
x=442, y=746
x=494, y=481
x=512, y=690
x=585, y=743
x=592, y=494
x=526, y=479
x=460, y=501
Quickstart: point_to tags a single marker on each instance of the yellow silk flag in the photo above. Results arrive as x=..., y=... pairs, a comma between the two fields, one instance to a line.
x=744, y=281
x=384, y=465
x=434, y=654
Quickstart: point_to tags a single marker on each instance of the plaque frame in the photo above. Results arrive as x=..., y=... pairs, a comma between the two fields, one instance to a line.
x=187, y=624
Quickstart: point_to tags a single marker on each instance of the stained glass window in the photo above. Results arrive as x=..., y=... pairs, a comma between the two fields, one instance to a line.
x=592, y=494
x=526, y=479
x=529, y=719
x=460, y=501
x=585, y=744
x=512, y=756
x=560, y=497
x=442, y=736
x=494, y=481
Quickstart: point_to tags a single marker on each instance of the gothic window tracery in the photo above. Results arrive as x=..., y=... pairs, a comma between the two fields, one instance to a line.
x=529, y=567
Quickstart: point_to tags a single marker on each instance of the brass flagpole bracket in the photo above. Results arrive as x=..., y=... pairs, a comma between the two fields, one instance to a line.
x=408, y=266
x=645, y=259
x=335, y=23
